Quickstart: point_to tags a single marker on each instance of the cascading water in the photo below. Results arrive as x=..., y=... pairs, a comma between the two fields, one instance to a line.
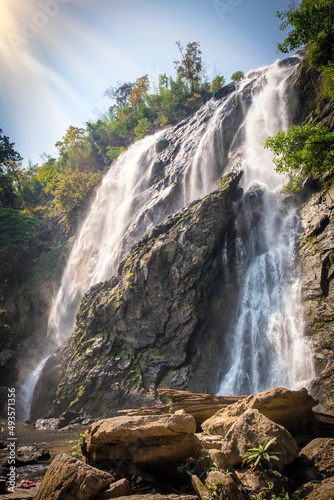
x=266, y=347
x=143, y=188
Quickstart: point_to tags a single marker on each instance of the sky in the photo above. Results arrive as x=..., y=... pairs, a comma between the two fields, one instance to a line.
x=57, y=57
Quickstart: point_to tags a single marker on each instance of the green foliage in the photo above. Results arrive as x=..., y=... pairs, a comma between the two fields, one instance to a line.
x=191, y=466
x=71, y=193
x=113, y=152
x=217, y=83
x=191, y=63
x=214, y=490
x=328, y=83
x=260, y=455
x=49, y=174
x=9, y=172
x=313, y=24
x=237, y=76
x=17, y=240
x=309, y=146
x=268, y=490
x=65, y=183
x=79, y=447
x=140, y=90
x=141, y=129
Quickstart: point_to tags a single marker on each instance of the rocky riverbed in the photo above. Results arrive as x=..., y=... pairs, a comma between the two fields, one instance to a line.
x=171, y=453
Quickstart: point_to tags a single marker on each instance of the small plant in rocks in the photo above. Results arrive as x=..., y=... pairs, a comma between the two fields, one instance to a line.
x=261, y=455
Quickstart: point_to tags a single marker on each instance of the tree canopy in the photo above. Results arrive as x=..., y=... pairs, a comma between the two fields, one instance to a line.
x=310, y=147
x=191, y=63
x=63, y=184
x=9, y=171
x=313, y=24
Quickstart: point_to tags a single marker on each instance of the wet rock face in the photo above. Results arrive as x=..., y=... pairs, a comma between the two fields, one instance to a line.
x=135, y=332
x=316, y=253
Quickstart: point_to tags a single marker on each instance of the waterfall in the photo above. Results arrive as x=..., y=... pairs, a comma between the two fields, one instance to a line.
x=143, y=187
x=266, y=347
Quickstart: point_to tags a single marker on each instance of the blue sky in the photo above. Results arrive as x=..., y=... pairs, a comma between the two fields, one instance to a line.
x=58, y=57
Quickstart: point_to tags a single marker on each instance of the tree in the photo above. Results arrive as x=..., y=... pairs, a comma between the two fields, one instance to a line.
x=140, y=89
x=142, y=128
x=217, y=83
x=237, y=76
x=309, y=146
x=121, y=94
x=313, y=24
x=75, y=151
x=9, y=171
x=17, y=239
x=113, y=152
x=72, y=193
x=73, y=136
x=191, y=63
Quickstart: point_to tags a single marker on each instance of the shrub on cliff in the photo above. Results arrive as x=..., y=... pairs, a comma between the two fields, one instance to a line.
x=309, y=146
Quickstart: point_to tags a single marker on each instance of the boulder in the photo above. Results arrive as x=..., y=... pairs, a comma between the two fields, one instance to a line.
x=323, y=490
x=271, y=480
x=217, y=485
x=42, y=424
x=57, y=423
x=315, y=462
x=118, y=489
x=161, y=144
x=157, y=441
x=199, y=487
x=210, y=441
x=157, y=496
x=291, y=409
x=321, y=453
x=220, y=460
x=252, y=429
x=69, y=478
x=28, y=455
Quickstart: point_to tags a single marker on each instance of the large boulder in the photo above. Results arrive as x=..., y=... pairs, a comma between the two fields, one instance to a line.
x=323, y=490
x=315, y=462
x=68, y=478
x=291, y=409
x=252, y=429
x=160, y=442
x=320, y=452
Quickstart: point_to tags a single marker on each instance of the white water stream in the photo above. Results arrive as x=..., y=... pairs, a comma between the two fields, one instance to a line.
x=127, y=205
x=266, y=347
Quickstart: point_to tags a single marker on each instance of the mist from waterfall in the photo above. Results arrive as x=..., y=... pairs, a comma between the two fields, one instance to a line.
x=135, y=196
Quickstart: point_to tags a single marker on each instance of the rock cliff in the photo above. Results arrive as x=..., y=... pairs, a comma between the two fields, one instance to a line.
x=160, y=321
x=157, y=323
x=316, y=253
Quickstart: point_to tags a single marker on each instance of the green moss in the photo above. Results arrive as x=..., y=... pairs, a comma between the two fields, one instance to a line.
x=311, y=241
x=330, y=261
